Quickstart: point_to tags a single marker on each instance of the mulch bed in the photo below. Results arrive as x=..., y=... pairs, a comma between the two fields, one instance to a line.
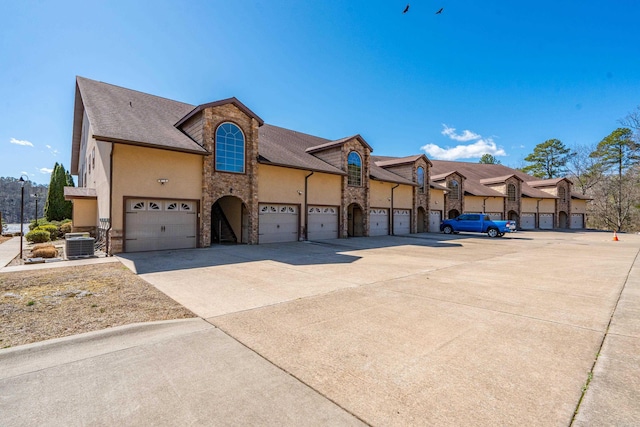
x=37, y=305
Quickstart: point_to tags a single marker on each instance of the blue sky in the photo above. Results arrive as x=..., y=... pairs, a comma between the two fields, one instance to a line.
x=493, y=77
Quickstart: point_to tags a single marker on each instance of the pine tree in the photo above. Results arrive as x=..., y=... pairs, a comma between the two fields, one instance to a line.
x=548, y=159
x=56, y=207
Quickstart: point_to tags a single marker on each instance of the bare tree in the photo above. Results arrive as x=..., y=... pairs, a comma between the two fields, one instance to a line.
x=584, y=170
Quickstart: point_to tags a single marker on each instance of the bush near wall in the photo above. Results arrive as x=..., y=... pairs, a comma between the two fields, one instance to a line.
x=51, y=228
x=61, y=227
x=38, y=236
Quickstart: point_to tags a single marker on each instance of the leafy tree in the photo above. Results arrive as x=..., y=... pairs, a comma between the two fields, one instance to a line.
x=489, y=159
x=619, y=155
x=56, y=207
x=548, y=159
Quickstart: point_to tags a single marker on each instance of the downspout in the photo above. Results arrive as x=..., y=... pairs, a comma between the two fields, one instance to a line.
x=537, y=224
x=391, y=216
x=306, y=213
x=108, y=232
x=484, y=205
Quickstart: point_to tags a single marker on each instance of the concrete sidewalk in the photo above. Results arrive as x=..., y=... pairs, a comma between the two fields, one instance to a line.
x=9, y=250
x=183, y=372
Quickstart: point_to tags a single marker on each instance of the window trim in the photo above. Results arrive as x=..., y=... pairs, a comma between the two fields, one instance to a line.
x=451, y=185
x=421, y=185
x=215, y=149
x=512, y=197
x=351, y=175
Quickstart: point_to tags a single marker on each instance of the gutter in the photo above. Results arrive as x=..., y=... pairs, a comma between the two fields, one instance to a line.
x=306, y=213
x=108, y=232
x=391, y=213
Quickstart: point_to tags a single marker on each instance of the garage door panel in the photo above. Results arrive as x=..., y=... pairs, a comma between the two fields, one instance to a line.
x=401, y=221
x=577, y=221
x=277, y=223
x=157, y=224
x=528, y=221
x=435, y=218
x=546, y=221
x=379, y=222
x=322, y=222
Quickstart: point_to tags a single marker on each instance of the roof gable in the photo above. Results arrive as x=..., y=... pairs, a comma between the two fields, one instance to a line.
x=337, y=143
x=233, y=101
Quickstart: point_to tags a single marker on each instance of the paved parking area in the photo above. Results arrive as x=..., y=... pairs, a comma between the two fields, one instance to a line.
x=432, y=329
x=421, y=330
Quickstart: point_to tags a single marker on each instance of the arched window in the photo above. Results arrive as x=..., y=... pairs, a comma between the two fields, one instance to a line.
x=229, y=148
x=562, y=193
x=354, y=169
x=511, y=193
x=420, y=178
x=454, y=190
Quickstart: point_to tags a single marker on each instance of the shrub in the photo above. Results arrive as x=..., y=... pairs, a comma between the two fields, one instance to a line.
x=51, y=228
x=66, y=227
x=38, y=236
x=46, y=250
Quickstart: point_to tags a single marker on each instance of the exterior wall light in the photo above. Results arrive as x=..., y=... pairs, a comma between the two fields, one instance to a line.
x=162, y=181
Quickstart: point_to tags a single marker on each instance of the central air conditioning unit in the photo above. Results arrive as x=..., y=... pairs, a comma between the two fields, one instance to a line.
x=79, y=246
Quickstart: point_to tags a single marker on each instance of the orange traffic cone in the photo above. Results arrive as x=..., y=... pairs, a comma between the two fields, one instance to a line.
x=615, y=236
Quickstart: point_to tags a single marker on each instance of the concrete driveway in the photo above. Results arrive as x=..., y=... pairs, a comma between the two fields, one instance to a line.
x=421, y=330
x=432, y=330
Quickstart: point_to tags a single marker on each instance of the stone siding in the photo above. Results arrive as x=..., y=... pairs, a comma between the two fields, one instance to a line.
x=215, y=185
x=352, y=194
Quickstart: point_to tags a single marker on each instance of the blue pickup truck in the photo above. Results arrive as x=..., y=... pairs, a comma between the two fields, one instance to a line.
x=477, y=223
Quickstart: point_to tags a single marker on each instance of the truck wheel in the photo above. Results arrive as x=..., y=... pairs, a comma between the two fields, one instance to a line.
x=492, y=232
x=447, y=229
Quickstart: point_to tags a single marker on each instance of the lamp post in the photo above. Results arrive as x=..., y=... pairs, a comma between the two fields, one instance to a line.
x=22, y=181
x=36, y=197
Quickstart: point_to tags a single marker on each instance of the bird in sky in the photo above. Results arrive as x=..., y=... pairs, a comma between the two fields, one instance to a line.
x=438, y=12
x=406, y=9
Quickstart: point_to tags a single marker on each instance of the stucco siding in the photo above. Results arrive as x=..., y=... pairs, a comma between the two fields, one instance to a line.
x=579, y=206
x=403, y=197
x=85, y=213
x=380, y=193
x=437, y=200
x=136, y=171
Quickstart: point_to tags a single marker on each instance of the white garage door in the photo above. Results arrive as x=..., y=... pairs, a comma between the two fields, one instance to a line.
x=379, y=220
x=435, y=217
x=153, y=225
x=546, y=221
x=277, y=223
x=495, y=216
x=528, y=221
x=323, y=222
x=577, y=220
x=401, y=221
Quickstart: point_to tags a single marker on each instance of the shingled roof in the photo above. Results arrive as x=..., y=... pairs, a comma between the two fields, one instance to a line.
x=284, y=147
x=478, y=174
x=127, y=116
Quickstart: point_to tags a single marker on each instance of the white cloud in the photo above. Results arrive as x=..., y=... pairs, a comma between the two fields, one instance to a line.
x=20, y=142
x=467, y=135
x=45, y=171
x=475, y=150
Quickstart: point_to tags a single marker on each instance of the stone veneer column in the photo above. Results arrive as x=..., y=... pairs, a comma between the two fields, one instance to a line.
x=219, y=184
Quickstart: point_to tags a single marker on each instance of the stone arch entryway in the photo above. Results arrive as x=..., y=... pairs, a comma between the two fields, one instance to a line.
x=423, y=225
x=453, y=213
x=355, y=220
x=563, y=220
x=229, y=221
